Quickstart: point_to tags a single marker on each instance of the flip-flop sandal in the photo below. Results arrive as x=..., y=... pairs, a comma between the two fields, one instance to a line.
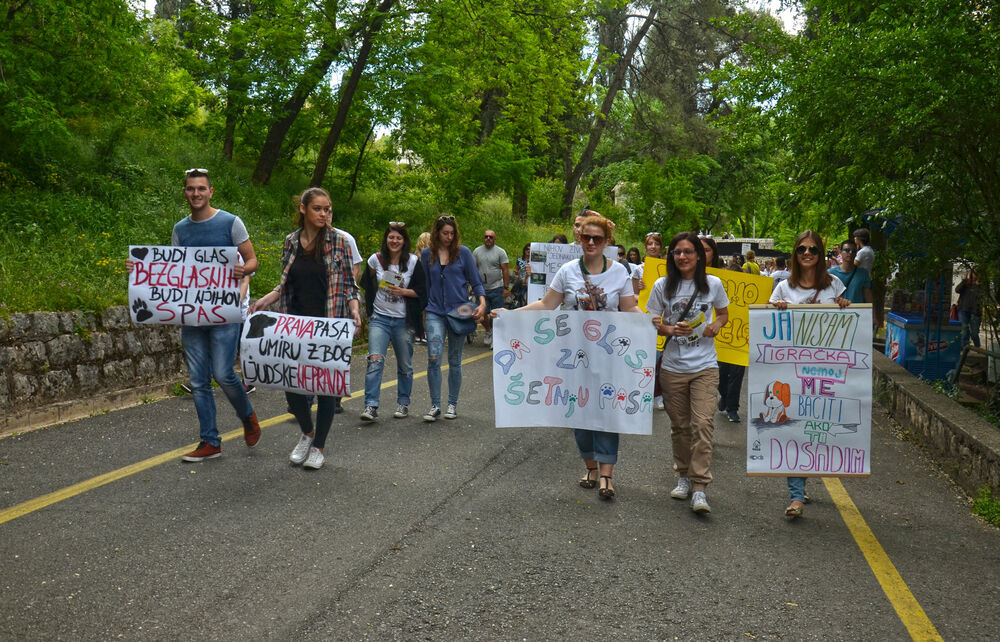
x=793, y=511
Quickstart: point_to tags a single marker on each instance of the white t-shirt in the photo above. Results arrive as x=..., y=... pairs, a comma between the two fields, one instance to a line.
x=637, y=271
x=608, y=287
x=692, y=353
x=355, y=254
x=779, y=276
x=785, y=292
x=865, y=258
x=386, y=304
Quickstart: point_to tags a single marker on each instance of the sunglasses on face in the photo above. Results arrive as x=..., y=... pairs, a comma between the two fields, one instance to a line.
x=812, y=249
x=849, y=250
x=621, y=254
x=590, y=238
x=488, y=236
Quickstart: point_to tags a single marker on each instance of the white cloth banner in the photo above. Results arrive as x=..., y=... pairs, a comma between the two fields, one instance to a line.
x=184, y=285
x=546, y=259
x=308, y=355
x=575, y=369
x=810, y=391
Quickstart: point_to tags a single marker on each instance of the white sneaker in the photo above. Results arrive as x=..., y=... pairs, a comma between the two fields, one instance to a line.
x=699, y=502
x=682, y=488
x=315, y=459
x=370, y=413
x=301, y=450
x=432, y=414
x=451, y=412
x=659, y=402
x=401, y=411
x=488, y=339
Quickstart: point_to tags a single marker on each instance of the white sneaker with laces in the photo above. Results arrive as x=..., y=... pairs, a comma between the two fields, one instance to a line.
x=315, y=459
x=370, y=413
x=301, y=450
x=659, y=402
x=488, y=339
x=401, y=411
x=451, y=412
x=432, y=414
x=699, y=502
x=682, y=489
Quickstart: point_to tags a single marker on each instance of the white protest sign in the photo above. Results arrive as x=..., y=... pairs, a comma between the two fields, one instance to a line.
x=810, y=391
x=576, y=369
x=308, y=355
x=546, y=259
x=184, y=285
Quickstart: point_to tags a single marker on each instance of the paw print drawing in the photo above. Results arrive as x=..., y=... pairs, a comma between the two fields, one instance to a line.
x=622, y=343
x=518, y=348
x=620, y=399
x=572, y=405
x=141, y=310
x=607, y=394
x=646, y=375
x=581, y=359
x=647, y=401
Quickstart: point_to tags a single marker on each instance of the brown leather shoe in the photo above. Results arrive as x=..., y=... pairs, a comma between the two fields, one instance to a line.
x=251, y=430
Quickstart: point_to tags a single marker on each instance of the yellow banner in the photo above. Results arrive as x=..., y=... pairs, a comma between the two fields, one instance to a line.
x=733, y=342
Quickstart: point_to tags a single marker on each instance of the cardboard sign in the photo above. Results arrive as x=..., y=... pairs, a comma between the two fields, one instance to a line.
x=810, y=391
x=576, y=369
x=184, y=285
x=308, y=355
x=546, y=259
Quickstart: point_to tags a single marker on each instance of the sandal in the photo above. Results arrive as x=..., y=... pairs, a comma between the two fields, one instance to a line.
x=606, y=492
x=793, y=510
x=587, y=482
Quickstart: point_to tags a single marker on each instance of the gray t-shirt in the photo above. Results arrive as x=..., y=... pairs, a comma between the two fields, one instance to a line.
x=489, y=262
x=865, y=258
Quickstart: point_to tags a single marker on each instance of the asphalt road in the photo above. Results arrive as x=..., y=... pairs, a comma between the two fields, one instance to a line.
x=458, y=530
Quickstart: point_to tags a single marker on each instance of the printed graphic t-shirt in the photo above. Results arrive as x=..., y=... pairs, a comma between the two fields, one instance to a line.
x=607, y=288
x=785, y=292
x=692, y=353
x=386, y=304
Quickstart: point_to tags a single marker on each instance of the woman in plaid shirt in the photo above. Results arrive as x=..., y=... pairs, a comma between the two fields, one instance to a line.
x=317, y=280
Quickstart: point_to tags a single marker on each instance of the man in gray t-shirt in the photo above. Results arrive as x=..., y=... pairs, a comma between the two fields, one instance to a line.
x=492, y=263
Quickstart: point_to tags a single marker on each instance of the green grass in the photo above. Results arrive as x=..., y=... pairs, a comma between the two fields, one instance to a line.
x=987, y=506
x=66, y=234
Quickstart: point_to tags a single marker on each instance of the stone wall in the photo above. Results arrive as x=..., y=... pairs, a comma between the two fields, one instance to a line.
x=56, y=366
x=967, y=446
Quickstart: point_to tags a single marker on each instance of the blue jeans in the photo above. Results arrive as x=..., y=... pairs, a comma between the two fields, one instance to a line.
x=210, y=352
x=437, y=330
x=797, y=488
x=381, y=331
x=600, y=446
x=970, y=325
x=494, y=299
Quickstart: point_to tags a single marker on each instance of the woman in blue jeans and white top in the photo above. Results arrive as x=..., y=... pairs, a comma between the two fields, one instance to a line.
x=394, y=293
x=592, y=283
x=682, y=304
x=810, y=283
x=449, y=267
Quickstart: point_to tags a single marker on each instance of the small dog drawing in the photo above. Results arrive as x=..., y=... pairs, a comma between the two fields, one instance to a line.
x=257, y=325
x=777, y=396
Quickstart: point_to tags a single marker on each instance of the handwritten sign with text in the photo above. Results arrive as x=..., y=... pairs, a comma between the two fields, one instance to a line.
x=574, y=369
x=308, y=355
x=810, y=396
x=183, y=285
x=547, y=258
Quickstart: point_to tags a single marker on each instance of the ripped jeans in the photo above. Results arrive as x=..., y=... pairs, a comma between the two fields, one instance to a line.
x=383, y=330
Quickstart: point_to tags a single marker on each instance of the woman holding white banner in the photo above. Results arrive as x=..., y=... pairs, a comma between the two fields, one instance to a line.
x=394, y=291
x=683, y=303
x=317, y=280
x=810, y=283
x=592, y=283
x=449, y=267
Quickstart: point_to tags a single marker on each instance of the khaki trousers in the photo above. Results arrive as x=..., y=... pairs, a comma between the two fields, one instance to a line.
x=690, y=400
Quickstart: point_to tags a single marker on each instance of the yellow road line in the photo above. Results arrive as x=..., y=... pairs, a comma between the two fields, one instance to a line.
x=30, y=506
x=907, y=608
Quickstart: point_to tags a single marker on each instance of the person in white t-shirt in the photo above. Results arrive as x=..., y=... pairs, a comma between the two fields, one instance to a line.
x=394, y=286
x=683, y=302
x=654, y=250
x=592, y=283
x=809, y=283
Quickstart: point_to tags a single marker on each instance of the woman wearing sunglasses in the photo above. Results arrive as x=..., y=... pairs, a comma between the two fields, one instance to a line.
x=449, y=266
x=683, y=303
x=809, y=283
x=394, y=297
x=592, y=283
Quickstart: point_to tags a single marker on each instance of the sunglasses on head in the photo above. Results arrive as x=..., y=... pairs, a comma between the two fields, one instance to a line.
x=196, y=171
x=397, y=224
x=812, y=249
x=656, y=234
x=591, y=238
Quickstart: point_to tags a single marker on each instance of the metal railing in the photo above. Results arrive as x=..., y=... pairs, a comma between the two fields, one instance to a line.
x=961, y=360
